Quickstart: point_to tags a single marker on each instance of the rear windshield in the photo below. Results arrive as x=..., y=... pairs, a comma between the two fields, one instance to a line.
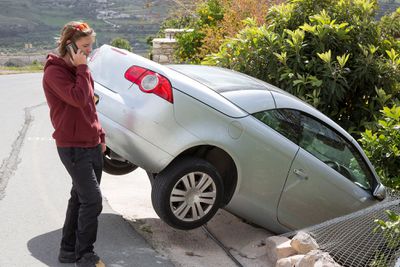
x=219, y=79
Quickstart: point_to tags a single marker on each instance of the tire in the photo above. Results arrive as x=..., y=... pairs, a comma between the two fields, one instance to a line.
x=188, y=207
x=117, y=167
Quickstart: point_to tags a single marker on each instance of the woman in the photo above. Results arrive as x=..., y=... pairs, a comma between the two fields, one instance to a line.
x=68, y=87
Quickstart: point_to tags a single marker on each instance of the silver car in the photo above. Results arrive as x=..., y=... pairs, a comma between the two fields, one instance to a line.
x=210, y=138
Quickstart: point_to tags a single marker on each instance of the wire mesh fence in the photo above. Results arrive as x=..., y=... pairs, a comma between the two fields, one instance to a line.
x=352, y=241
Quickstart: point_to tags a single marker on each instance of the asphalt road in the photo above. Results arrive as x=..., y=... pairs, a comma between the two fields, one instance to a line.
x=34, y=188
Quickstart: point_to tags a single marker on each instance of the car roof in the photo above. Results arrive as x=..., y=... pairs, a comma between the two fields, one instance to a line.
x=219, y=79
x=248, y=93
x=251, y=101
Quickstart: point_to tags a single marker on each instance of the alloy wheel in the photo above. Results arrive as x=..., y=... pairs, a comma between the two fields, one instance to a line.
x=193, y=196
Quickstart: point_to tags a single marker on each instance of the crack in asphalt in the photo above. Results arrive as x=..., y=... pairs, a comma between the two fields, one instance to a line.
x=10, y=164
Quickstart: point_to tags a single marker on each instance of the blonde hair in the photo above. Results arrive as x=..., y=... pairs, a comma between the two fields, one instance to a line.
x=72, y=31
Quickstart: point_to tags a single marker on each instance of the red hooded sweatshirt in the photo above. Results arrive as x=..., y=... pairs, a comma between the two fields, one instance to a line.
x=69, y=94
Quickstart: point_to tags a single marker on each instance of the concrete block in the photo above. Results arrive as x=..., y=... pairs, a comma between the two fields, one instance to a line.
x=278, y=247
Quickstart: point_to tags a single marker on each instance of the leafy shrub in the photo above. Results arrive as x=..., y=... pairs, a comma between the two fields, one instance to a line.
x=121, y=43
x=188, y=48
x=212, y=22
x=189, y=43
x=382, y=146
x=235, y=14
x=390, y=228
x=391, y=232
x=329, y=53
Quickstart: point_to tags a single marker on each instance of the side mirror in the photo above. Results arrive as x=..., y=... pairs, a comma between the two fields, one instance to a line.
x=380, y=192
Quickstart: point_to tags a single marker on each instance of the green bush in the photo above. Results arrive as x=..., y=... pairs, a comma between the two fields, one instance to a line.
x=190, y=43
x=390, y=228
x=210, y=13
x=212, y=21
x=382, y=146
x=329, y=53
x=391, y=232
x=121, y=43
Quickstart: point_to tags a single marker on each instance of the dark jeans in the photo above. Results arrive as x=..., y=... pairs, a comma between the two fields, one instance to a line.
x=84, y=165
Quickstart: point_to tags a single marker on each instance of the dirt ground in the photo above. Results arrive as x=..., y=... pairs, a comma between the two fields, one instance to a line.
x=130, y=195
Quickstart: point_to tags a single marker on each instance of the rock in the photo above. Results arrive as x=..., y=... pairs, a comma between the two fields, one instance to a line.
x=163, y=59
x=289, y=261
x=303, y=243
x=278, y=247
x=253, y=250
x=317, y=258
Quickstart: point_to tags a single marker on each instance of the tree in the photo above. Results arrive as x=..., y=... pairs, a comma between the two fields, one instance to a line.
x=329, y=53
x=381, y=143
x=122, y=43
x=213, y=21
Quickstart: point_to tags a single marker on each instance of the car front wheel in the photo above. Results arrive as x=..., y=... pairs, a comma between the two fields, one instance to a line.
x=187, y=193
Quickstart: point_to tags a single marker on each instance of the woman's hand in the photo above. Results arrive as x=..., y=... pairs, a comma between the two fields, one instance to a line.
x=103, y=147
x=77, y=58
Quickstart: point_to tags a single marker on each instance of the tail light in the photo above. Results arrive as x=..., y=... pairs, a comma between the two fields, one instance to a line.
x=150, y=82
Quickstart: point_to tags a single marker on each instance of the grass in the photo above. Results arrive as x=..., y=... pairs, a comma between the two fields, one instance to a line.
x=23, y=69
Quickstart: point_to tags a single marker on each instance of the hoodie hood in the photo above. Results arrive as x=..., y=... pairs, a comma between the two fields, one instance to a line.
x=53, y=59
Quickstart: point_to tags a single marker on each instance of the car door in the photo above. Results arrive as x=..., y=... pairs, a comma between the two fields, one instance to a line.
x=328, y=177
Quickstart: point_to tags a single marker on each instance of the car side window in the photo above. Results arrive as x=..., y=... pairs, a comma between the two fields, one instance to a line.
x=284, y=121
x=321, y=141
x=337, y=152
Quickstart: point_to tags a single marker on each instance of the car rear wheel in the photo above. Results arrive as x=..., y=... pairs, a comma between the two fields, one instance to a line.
x=188, y=193
x=116, y=166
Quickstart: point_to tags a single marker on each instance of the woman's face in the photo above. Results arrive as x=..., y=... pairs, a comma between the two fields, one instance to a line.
x=85, y=44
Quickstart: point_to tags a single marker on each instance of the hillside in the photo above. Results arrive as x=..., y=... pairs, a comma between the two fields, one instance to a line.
x=388, y=6
x=39, y=21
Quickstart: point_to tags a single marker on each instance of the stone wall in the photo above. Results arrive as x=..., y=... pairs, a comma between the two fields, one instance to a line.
x=164, y=48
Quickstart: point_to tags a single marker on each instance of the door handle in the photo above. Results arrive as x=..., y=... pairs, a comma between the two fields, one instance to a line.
x=301, y=174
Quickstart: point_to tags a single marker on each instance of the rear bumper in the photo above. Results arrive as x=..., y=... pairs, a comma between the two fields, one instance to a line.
x=133, y=147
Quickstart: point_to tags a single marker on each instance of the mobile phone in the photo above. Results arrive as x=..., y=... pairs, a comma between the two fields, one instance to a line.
x=74, y=47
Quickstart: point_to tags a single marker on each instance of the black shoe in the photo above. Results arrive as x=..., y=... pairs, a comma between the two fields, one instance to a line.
x=66, y=256
x=89, y=260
